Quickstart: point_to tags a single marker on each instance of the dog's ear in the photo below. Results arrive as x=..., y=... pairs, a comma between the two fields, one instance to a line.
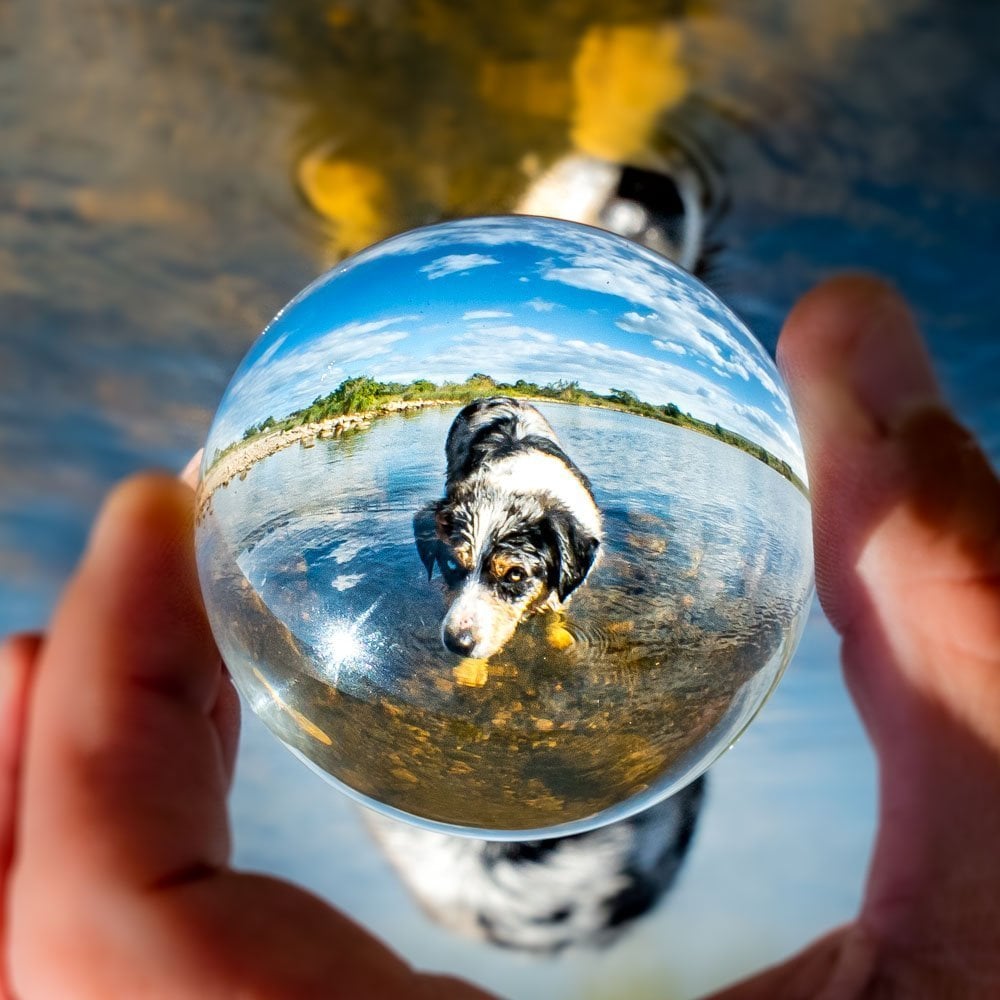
x=577, y=551
x=425, y=534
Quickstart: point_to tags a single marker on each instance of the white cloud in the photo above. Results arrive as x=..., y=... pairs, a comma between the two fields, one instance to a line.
x=277, y=385
x=669, y=346
x=538, y=355
x=486, y=232
x=456, y=263
x=672, y=309
x=709, y=366
x=272, y=349
x=677, y=308
x=511, y=335
x=475, y=314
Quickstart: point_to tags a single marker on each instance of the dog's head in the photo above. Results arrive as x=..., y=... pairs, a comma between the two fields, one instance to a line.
x=503, y=557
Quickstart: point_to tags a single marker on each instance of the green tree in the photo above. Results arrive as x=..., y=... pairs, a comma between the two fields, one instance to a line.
x=624, y=396
x=356, y=395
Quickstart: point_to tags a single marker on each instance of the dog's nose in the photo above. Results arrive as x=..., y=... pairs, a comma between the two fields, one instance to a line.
x=460, y=642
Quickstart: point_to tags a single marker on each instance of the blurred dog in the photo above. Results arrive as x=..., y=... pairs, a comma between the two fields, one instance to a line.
x=664, y=204
x=517, y=530
x=545, y=895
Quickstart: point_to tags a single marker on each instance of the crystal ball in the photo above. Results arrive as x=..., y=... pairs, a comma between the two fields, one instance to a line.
x=502, y=527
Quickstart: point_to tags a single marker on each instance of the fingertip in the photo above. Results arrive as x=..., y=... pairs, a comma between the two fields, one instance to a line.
x=122, y=749
x=146, y=495
x=18, y=658
x=826, y=323
x=856, y=366
x=857, y=334
x=147, y=519
x=18, y=652
x=190, y=473
x=137, y=590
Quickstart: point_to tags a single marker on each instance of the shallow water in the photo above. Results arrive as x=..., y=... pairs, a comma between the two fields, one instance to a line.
x=150, y=226
x=324, y=612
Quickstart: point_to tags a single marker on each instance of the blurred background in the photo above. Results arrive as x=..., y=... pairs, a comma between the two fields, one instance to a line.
x=171, y=173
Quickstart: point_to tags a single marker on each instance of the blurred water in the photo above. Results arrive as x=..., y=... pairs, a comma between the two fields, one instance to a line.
x=149, y=226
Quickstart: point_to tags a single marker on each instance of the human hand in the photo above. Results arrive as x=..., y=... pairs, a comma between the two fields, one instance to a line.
x=121, y=886
x=906, y=515
x=117, y=738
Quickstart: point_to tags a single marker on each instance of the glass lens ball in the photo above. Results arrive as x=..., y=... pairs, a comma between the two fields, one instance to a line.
x=502, y=526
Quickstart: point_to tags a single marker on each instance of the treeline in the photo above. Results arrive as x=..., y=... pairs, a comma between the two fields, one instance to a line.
x=362, y=394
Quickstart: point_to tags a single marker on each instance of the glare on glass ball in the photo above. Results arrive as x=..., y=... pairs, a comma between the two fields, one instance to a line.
x=502, y=527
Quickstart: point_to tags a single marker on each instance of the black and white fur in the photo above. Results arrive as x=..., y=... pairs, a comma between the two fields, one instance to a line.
x=546, y=895
x=666, y=203
x=584, y=889
x=517, y=531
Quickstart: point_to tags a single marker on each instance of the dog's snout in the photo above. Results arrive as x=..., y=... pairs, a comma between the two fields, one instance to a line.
x=461, y=642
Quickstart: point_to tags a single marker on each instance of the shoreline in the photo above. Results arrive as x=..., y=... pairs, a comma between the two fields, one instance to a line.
x=246, y=455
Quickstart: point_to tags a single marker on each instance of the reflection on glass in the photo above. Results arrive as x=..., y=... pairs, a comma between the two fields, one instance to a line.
x=502, y=526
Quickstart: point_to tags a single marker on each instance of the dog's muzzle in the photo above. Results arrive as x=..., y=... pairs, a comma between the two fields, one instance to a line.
x=477, y=623
x=462, y=642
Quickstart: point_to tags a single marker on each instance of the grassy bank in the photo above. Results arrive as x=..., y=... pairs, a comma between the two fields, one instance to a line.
x=362, y=395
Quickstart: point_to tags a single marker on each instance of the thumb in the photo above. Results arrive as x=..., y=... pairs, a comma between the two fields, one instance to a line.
x=122, y=886
x=906, y=508
x=907, y=536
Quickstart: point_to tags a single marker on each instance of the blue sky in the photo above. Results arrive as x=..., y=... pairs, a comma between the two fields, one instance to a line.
x=515, y=298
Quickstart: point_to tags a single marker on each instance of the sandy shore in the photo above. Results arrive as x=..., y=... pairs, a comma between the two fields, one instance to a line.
x=247, y=454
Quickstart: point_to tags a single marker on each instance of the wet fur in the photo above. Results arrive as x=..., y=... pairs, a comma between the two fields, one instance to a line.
x=517, y=531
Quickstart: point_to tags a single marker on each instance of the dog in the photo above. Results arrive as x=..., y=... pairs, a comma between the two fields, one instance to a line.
x=517, y=531
x=543, y=896
x=665, y=205
x=581, y=890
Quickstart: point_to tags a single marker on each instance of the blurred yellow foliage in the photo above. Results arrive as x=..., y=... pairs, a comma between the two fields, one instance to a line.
x=432, y=109
x=527, y=86
x=351, y=196
x=624, y=77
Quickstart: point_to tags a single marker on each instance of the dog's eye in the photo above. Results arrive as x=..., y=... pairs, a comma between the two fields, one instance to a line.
x=514, y=575
x=451, y=564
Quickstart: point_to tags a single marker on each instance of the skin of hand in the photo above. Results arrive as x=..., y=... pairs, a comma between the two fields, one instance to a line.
x=118, y=729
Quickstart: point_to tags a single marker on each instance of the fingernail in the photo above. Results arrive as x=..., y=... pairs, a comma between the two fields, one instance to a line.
x=891, y=371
